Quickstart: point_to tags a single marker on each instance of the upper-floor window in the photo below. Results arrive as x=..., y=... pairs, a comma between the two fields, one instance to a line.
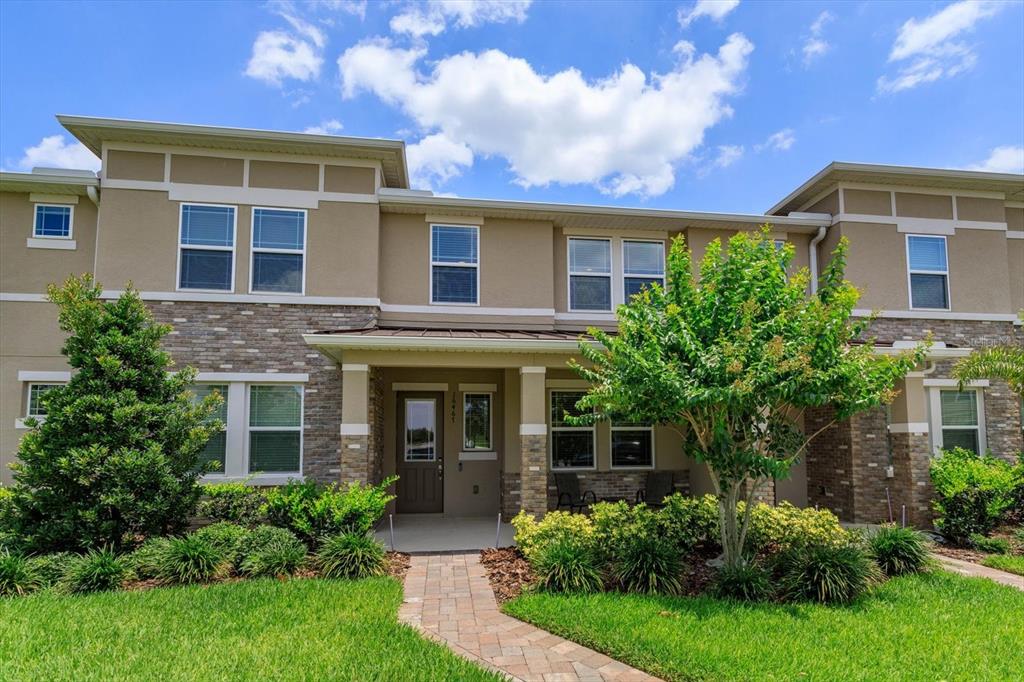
x=643, y=263
x=454, y=264
x=590, y=274
x=206, y=249
x=476, y=421
x=52, y=222
x=929, y=272
x=278, y=251
x=36, y=392
x=572, y=447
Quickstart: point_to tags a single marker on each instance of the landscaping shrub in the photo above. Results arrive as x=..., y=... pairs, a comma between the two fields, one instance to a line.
x=743, y=582
x=646, y=562
x=972, y=492
x=235, y=502
x=225, y=537
x=313, y=511
x=1019, y=534
x=8, y=532
x=271, y=551
x=616, y=522
x=96, y=571
x=826, y=573
x=190, y=559
x=145, y=561
x=532, y=536
x=17, y=575
x=567, y=565
x=690, y=521
x=350, y=556
x=989, y=545
x=51, y=568
x=784, y=527
x=898, y=551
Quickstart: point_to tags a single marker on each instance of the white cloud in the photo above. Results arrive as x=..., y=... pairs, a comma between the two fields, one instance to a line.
x=623, y=133
x=727, y=155
x=276, y=55
x=713, y=9
x=815, y=45
x=1006, y=159
x=353, y=7
x=780, y=141
x=330, y=127
x=436, y=159
x=54, y=152
x=927, y=50
x=433, y=17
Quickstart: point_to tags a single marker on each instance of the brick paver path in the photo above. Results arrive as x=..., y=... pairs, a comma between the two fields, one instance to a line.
x=979, y=571
x=448, y=597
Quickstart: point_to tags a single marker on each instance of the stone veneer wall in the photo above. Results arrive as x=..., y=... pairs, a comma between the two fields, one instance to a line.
x=267, y=338
x=605, y=484
x=375, y=444
x=534, y=474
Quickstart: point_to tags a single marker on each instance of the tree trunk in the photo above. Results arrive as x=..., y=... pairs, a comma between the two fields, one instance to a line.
x=732, y=531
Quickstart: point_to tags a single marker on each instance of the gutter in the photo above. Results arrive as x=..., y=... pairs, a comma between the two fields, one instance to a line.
x=441, y=344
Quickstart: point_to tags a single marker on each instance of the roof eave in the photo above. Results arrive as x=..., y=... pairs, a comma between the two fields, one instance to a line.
x=444, y=344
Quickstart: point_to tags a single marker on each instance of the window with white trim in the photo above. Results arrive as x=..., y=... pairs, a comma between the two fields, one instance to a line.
x=476, y=421
x=632, y=446
x=34, y=406
x=960, y=420
x=590, y=274
x=275, y=428
x=278, y=251
x=455, y=264
x=572, y=447
x=206, y=247
x=52, y=221
x=928, y=268
x=215, y=449
x=643, y=264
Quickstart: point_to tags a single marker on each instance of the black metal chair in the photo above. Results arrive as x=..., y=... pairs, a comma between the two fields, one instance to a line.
x=658, y=486
x=569, y=495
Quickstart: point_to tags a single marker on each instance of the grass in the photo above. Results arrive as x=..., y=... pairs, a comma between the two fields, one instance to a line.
x=252, y=630
x=921, y=627
x=1005, y=562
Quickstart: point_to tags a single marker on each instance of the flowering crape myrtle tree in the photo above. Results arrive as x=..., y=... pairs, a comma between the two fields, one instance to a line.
x=116, y=458
x=732, y=358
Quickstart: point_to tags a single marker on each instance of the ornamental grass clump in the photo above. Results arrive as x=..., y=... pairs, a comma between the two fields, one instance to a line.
x=51, y=568
x=646, y=562
x=146, y=560
x=565, y=565
x=989, y=545
x=190, y=559
x=99, y=570
x=226, y=537
x=744, y=582
x=17, y=575
x=826, y=574
x=898, y=551
x=271, y=551
x=350, y=555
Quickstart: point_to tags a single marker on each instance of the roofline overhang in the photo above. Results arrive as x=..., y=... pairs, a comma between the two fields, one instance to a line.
x=443, y=344
x=46, y=183
x=89, y=131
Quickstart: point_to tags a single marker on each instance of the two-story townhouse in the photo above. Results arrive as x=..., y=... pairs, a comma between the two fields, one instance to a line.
x=358, y=328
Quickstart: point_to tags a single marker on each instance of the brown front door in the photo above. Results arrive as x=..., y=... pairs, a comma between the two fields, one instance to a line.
x=420, y=453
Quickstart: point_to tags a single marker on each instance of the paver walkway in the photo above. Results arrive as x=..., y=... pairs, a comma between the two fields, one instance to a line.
x=979, y=571
x=448, y=597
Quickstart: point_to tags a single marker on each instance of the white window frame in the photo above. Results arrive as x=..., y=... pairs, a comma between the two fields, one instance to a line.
x=490, y=421
x=253, y=250
x=935, y=408
x=199, y=247
x=301, y=428
x=227, y=422
x=433, y=264
x=437, y=456
x=570, y=274
x=28, y=398
x=911, y=272
x=611, y=447
x=71, y=221
x=655, y=278
x=552, y=429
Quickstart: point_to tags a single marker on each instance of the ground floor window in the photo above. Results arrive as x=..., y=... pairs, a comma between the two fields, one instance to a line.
x=572, y=447
x=632, y=446
x=36, y=392
x=957, y=419
x=216, y=448
x=476, y=421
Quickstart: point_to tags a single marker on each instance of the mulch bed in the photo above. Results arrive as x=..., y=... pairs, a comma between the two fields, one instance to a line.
x=398, y=565
x=508, y=571
x=961, y=553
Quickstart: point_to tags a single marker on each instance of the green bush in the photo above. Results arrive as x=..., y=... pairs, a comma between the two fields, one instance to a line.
x=52, y=567
x=743, y=582
x=533, y=536
x=1019, y=534
x=647, y=562
x=225, y=537
x=271, y=551
x=17, y=575
x=972, y=492
x=898, y=551
x=8, y=531
x=234, y=502
x=146, y=560
x=350, y=556
x=989, y=545
x=690, y=521
x=784, y=527
x=98, y=570
x=313, y=511
x=615, y=522
x=567, y=565
x=190, y=559
x=826, y=573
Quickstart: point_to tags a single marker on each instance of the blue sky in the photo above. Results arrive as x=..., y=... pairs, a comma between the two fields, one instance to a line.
x=721, y=106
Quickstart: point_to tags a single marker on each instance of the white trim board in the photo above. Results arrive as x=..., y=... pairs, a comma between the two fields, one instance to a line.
x=466, y=309
x=252, y=377
x=282, y=198
x=355, y=430
x=953, y=383
x=201, y=297
x=919, y=225
x=42, y=377
x=533, y=429
x=51, y=243
x=909, y=427
x=936, y=315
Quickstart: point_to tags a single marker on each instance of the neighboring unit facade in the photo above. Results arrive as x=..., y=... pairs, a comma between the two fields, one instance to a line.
x=359, y=329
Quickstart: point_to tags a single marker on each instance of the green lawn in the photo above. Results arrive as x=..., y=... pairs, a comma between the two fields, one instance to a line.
x=1005, y=562
x=927, y=627
x=253, y=630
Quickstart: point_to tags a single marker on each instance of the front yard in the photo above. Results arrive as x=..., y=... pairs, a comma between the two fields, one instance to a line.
x=252, y=630
x=929, y=626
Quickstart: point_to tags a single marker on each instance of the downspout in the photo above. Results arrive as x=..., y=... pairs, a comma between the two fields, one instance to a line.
x=93, y=194
x=822, y=231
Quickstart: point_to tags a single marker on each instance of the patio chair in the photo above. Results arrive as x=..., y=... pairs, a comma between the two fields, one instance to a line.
x=658, y=486
x=569, y=495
